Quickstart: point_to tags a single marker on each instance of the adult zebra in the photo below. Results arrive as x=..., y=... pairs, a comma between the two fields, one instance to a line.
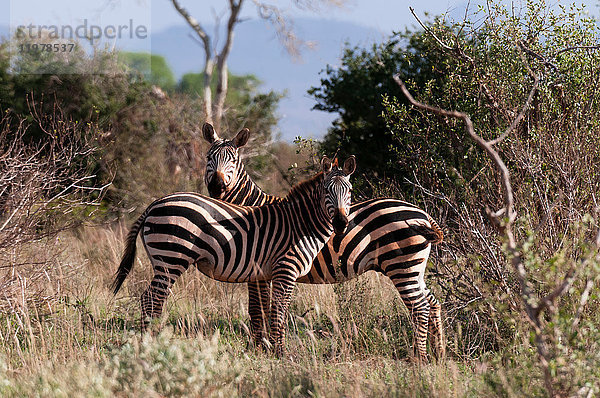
x=385, y=235
x=231, y=243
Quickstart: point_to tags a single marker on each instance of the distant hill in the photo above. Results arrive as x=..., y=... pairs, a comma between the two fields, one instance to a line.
x=257, y=51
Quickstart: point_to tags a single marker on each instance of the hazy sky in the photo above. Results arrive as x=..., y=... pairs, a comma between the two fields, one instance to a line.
x=384, y=16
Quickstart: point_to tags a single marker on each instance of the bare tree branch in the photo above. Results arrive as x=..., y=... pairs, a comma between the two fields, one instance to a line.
x=222, y=73
x=426, y=29
x=209, y=60
x=529, y=299
x=458, y=52
x=582, y=302
x=486, y=146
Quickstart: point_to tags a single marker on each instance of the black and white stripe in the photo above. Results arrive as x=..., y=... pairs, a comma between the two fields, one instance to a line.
x=232, y=243
x=384, y=235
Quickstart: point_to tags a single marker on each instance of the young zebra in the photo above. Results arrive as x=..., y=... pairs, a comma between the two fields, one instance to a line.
x=232, y=243
x=384, y=235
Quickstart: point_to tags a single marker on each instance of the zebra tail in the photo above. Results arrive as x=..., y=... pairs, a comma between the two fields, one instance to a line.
x=439, y=234
x=433, y=234
x=128, y=255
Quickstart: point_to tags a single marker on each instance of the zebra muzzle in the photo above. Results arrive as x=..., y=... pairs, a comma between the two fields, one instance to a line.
x=340, y=222
x=216, y=186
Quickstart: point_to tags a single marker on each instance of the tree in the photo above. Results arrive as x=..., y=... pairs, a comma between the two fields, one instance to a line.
x=153, y=68
x=355, y=91
x=215, y=60
x=130, y=111
x=528, y=82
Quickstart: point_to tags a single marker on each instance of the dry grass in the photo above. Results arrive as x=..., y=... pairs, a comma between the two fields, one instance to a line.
x=351, y=339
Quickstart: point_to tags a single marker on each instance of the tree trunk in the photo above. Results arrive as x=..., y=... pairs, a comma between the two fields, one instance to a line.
x=222, y=72
x=207, y=92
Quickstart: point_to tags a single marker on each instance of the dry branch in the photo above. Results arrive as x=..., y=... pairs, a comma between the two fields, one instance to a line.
x=41, y=185
x=504, y=219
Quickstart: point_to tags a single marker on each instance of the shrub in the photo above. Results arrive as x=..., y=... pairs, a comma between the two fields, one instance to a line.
x=161, y=366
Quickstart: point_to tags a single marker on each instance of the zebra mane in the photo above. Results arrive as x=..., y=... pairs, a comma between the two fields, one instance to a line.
x=246, y=192
x=307, y=186
x=244, y=177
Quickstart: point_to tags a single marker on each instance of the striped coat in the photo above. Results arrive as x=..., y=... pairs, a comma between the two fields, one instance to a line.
x=389, y=236
x=232, y=243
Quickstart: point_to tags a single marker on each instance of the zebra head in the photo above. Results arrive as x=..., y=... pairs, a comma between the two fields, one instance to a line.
x=337, y=190
x=223, y=164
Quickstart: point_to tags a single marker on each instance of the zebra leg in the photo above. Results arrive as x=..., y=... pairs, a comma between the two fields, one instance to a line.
x=154, y=297
x=259, y=303
x=414, y=295
x=419, y=310
x=283, y=288
x=436, y=330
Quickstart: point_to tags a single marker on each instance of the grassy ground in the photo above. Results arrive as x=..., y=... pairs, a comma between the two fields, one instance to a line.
x=352, y=339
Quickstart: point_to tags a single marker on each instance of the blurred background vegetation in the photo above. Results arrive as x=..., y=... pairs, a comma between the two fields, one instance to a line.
x=139, y=131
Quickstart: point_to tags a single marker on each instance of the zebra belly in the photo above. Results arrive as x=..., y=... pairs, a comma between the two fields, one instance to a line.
x=256, y=273
x=173, y=252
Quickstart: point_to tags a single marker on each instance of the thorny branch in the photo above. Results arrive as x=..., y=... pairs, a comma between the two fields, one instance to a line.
x=504, y=218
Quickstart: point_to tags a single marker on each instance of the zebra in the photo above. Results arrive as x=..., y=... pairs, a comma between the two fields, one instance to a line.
x=232, y=243
x=386, y=235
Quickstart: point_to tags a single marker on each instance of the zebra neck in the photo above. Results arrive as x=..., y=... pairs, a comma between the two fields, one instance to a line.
x=247, y=193
x=304, y=204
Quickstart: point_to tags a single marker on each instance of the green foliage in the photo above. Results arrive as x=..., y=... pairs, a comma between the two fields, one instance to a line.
x=153, y=68
x=356, y=89
x=149, y=145
x=239, y=88
x=191, y=84
x=553, y=156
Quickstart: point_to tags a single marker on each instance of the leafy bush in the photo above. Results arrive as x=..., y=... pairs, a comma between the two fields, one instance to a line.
x=487, y=70
x=150, y=145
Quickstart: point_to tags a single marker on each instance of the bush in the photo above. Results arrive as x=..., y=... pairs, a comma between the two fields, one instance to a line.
x=150, y=144
x=486, y=70
x=155, y=367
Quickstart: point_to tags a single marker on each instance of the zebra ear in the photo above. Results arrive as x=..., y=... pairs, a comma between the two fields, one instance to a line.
x=326, y=164
x=350, y=165
x=241, y=138
x=209, y=133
